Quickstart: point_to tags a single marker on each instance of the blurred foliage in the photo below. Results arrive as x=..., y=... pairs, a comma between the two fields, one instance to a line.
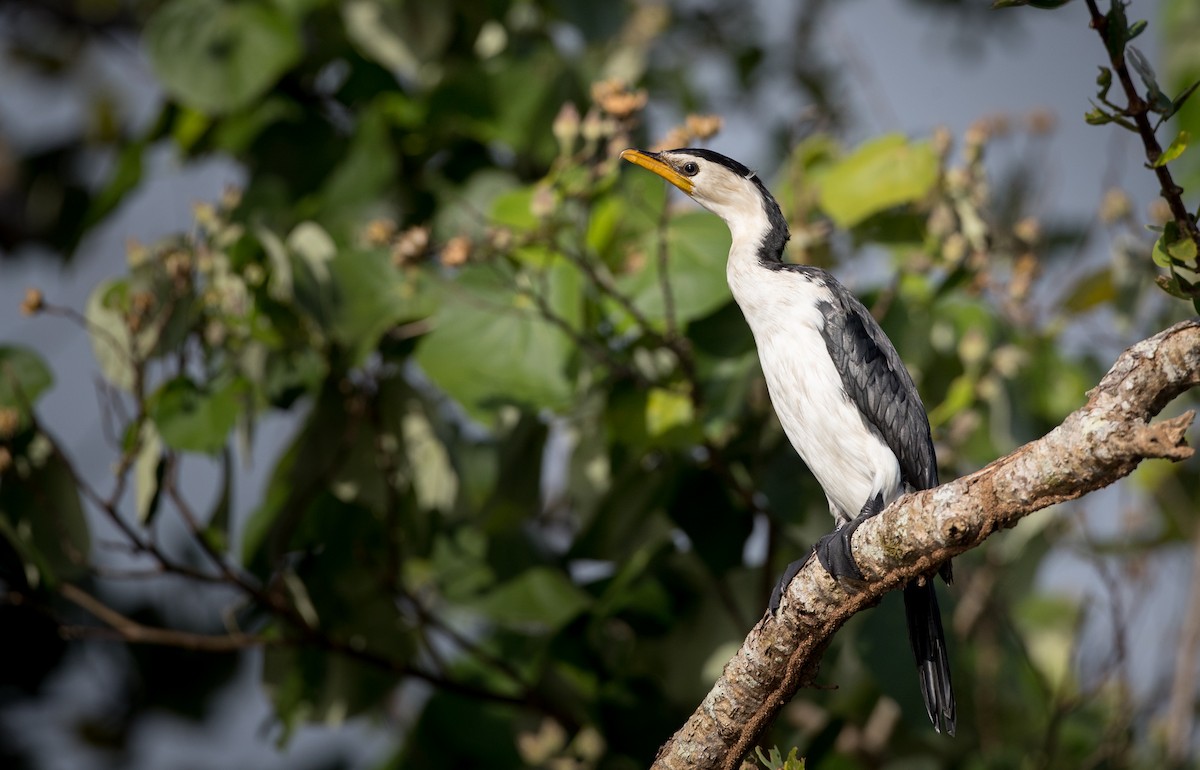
x=536, y=485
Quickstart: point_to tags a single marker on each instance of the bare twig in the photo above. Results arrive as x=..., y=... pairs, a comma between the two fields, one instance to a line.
x=129, y=630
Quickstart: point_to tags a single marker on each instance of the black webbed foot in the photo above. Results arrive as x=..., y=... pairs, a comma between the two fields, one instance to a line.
x=833, y=550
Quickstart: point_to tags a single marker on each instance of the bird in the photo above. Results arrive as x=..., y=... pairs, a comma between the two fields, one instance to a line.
x=845, y=400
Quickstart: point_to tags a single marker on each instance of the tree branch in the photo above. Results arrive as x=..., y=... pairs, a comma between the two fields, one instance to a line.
x=1138, y=110
x=1096, y=445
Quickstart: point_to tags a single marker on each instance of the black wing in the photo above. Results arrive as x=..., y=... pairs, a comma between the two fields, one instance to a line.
x=877, y=382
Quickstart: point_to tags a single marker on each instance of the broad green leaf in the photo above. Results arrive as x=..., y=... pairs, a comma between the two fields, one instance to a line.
x=369, y=296
x=882, y=173
x=313, y=246
x=463, y=209
x=540, y=597
x=1048, y=626
x=192, y=419
x=960, y=395
x=401, y=36
x=279, y=280
x=362, y=176
x=666, y=410
x=514, y=209
x=697, y=246
x=41, y=516
x=434, y=480
x=219, y=55
x=111, y=342
x=491, y=346
x=1174, y=150
x=24, y=376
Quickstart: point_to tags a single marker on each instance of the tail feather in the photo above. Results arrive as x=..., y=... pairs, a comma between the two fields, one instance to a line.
x=929, y=648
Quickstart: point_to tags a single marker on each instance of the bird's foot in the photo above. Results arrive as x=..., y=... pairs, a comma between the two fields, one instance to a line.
x=833, y=551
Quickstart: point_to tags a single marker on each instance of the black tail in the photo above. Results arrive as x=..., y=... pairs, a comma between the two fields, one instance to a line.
x=929, y=647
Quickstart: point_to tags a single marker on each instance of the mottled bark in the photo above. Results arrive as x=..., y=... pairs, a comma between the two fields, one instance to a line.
x=1096, y=445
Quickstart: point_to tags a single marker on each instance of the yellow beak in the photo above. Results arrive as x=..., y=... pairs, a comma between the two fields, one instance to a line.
x=652, y=162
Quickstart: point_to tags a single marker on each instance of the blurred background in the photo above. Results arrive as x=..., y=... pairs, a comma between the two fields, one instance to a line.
x=367, y=414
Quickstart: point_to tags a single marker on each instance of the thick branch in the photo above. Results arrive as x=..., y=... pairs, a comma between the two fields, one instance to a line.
x=1095, y=446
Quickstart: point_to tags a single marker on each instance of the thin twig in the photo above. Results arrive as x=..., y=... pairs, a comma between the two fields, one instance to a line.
x=1138, y=109
x=134, y=632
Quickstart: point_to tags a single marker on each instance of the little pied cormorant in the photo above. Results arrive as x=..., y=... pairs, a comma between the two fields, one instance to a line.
x=841, y=392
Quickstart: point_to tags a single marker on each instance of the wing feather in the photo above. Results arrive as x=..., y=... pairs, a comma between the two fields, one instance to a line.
x=875, y=379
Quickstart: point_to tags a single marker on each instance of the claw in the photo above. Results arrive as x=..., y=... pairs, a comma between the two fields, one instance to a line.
x=833, y=551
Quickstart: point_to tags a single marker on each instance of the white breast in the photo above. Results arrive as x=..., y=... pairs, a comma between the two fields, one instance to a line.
x=844, y=453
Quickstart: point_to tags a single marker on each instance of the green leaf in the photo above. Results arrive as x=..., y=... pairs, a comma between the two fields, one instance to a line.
x=1048, y=625
x=1183, y=97
x=308, y=463
x=697, y=246
x=369, y=296
x=1173, y=248
x=41, y=516
x=882, y=173
x=1104, y=81
x=111, y=342
x=1146, y=72
x=364, y=173
x=1135, y=29
x=1098, y=117
x=124, y=177
x=667, y=410
x=540, y=597
x=192, y=419
x=400, y=36
x=491, y=346
x=1091, y=291
x=459, y=212
x=514, y=209
x=307, y=684
x=217, y=530
x=1116, y=31
x=1174, y=150
x=218, y=55
x=148, y=469
x=24, y=376
x=1171, y=286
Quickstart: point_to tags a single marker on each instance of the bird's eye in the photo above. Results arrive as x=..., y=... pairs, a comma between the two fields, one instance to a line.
x=690, y=168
